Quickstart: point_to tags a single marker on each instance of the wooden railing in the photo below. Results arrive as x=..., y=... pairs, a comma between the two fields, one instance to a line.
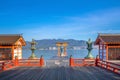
x=81, y=62
x=109, y=66
x=72, y=62
x=21, y=62
x=29, y=62
x=6, y=65
x=95, y=62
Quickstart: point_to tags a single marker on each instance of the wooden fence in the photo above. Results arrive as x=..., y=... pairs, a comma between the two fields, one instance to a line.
x=95, y=62
x=72, y=62
x=109, y=66
x=21, y=62
x=6, y=65
x=81, y=62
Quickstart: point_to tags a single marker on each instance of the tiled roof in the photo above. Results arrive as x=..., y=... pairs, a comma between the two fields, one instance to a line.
x=9, y=39
x=109, y=38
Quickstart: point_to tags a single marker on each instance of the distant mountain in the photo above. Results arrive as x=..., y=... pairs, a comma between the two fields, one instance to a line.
x=46, y=43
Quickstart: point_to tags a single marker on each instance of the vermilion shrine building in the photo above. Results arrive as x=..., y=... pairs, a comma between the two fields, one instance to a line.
x=109, y=46
x=11, y=46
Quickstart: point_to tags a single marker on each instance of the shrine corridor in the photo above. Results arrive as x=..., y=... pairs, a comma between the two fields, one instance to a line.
x=58, y=73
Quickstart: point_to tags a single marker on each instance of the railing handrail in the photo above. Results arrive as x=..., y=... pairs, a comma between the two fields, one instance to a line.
x=17, y=62
x=28, y=59
x=85, y=62
x=111, y=63
x=81, y=59
x=78, y=59
x=110, y=66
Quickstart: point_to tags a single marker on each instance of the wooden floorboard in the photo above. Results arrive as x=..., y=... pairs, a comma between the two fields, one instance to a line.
x=58, y=73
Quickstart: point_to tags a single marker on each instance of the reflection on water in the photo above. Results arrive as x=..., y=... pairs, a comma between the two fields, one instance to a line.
x=47, y=54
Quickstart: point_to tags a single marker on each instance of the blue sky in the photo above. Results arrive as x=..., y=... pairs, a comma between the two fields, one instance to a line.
x=59, y=19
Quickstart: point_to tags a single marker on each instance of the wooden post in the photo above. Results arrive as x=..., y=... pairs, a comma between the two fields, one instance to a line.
x=71, y=62
x=12, y=52
x=41, y=61
x=115, y=70
x=99, y=51
x=106, y=52
x=97, y=60
x=108, y=65
x=28, y=63
x=3, y=66
x=16, y=61
x=102, y=52
x=58, y=50
x=65, y=52
x=9, y=64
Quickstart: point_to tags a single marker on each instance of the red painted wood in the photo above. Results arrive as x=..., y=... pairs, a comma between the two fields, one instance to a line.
x=81, y=62
x=110, y=66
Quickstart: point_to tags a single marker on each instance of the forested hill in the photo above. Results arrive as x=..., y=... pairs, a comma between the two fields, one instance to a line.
x=46, y=43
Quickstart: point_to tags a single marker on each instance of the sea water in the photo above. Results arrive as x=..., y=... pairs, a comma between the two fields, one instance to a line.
x=47, y=54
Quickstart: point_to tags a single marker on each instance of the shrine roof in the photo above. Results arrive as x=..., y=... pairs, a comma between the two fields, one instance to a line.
x=10, y=39
x=108, y=39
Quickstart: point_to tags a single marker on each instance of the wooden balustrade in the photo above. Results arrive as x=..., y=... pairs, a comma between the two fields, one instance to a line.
x=72, y=62
x=21, y=62
x=6, y=65
x=95, y=62
x=0, y=66
x=28, y=62
x=81, y=62
x=109, y=66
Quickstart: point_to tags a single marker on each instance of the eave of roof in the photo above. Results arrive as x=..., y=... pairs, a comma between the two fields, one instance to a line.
x=10, y=39
x=108, y=39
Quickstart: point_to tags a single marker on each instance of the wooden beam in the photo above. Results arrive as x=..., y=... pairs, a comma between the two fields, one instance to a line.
x=112, y=42
x=113, y=46
x=5, y=46
x=21, y=40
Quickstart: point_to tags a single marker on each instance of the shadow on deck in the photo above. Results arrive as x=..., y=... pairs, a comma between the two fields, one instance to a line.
x=58, y=73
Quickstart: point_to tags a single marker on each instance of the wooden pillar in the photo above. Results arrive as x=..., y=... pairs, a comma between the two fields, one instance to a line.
x=16, y=63
x=12, y=52
x=106, y=52
x=3, y=66
x=58, y=50
x=97, y=60
x=99, y=51
x=21, y=51
x=17, y=51
x=102, y=51
x=41, y=61
x=71, y=61
x=65, y=52
x=115, y=70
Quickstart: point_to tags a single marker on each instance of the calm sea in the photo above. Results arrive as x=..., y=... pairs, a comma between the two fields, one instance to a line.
x=47, y=54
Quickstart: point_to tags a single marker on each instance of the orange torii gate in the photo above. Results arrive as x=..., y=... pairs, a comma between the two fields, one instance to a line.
x=62, y=47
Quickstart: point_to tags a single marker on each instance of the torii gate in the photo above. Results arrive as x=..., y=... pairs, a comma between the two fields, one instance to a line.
x=62, y=47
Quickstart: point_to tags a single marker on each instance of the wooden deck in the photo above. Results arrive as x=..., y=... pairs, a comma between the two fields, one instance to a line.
x=58, y=73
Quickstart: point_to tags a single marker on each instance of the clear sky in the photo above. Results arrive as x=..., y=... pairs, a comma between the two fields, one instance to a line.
x=59, y=19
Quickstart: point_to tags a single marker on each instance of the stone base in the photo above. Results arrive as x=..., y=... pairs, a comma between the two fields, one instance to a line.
x=63, y=55
x=33, y=56
x=89, y=56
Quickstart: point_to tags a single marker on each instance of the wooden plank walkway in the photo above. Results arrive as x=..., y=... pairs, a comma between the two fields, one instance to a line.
x=58, y=73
